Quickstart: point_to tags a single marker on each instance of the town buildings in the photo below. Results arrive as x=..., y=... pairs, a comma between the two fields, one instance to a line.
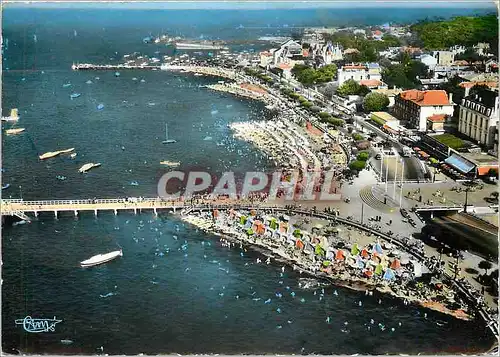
x=478, y=117
x=444, y=58
x=359, y=72
x=414, y=107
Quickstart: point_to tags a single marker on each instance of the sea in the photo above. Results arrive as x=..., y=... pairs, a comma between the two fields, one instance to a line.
x=176, y=289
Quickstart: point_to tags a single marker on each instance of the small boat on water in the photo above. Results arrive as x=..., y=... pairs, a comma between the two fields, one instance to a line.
x=6, y=186
x=167, y=140
x=14, y=116
x=61, y=178
x=73, y=155
x=66, y=85
x=117, y=74
x=75, y=95
x=101, y=258
x=50, y=154
x=170, y=163
x=14, y=131
x=88, y=166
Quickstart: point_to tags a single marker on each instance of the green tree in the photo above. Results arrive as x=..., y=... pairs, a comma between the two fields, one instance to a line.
x=357, y=165
x=484, y=264
x=375, y=102
x=349, y=87
x=395, y=75
x=363, y=156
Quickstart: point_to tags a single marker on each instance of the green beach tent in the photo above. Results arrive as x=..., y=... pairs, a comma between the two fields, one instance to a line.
x=355, y=249
x=379, y=269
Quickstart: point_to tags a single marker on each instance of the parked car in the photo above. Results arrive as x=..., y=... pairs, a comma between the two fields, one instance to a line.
x=404, y=213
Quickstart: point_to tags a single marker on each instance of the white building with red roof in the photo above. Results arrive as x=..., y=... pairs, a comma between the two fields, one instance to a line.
x=415, y=107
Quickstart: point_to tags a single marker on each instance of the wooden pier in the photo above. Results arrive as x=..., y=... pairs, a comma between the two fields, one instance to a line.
x=21, y=208
x=113, y=67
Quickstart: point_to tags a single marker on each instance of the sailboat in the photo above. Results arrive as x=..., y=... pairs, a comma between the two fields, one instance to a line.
x=167, y=140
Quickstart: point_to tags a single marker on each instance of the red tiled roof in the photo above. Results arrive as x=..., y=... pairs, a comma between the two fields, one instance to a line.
x=285, y=66
x=377, y=32
x=370, y=82
x=437, y=118
x=472, y=84
x=426, y=98
x=354, y=67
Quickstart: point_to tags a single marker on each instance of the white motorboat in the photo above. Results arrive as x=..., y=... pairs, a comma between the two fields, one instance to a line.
x=14, y=131
x=101, y=258
x=88, y=166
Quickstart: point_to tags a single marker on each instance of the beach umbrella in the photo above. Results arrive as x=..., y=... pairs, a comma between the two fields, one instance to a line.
x=273, y=224
x=326, y=263
x=389, y=274
x=355, y=249
x=216, y=213
x=253, y=212
x=243, y=220
x=330, y=254
x=379, y=269
x=249, y=231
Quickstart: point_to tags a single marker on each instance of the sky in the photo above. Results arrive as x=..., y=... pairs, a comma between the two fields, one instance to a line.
x=251, y=5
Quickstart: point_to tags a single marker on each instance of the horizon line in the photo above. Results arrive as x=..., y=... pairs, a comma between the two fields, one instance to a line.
x=250, y=5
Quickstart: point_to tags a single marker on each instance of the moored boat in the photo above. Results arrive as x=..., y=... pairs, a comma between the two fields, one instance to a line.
x=170, y=163
x=14, y=116
x=88, y=166
x=50, y=154
x=101, y=258
x=6, y=186
x=14, y=131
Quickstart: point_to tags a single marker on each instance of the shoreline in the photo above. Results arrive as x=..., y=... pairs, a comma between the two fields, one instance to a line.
x=277, y=254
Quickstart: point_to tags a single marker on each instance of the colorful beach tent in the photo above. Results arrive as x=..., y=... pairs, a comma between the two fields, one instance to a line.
x=318, y=250
x=379, y=269
x=359, y=262
x=355, y=249
x=389, y=274
x=273, y=224
x=243, y=220
x=216, y=213
x=395, y=264
x=365, y=254
x=283, y=227
x=340, y=255
x=299, y=244
x=378, y=248
x=258, y=226
x=368, y=273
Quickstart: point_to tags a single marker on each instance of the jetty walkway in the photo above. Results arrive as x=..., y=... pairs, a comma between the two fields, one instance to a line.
x=114, y=67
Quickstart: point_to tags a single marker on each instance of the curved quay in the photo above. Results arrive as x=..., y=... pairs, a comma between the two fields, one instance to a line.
x=458, y=286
